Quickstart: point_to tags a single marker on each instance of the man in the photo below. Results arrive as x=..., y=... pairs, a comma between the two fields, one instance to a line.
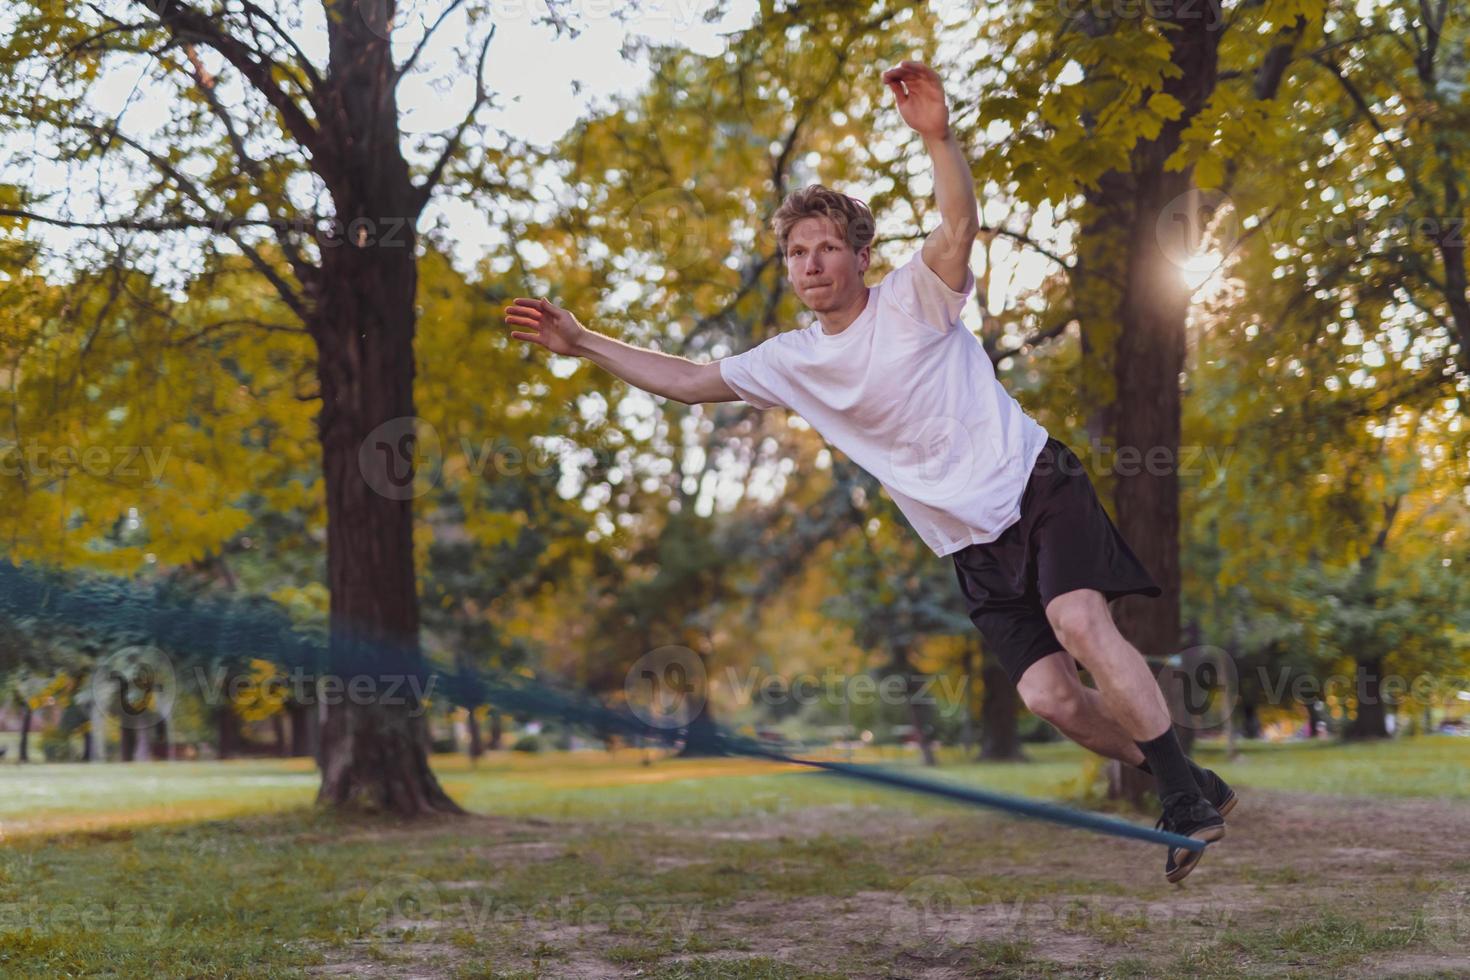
x=888, y=375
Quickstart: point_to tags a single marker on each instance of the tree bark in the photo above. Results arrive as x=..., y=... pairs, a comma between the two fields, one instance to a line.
x=477, y=748
x=1147, y=356
x=25, y=733
x=374, y=753
x=227, y=731
x=300, y=715
x=1371, y=720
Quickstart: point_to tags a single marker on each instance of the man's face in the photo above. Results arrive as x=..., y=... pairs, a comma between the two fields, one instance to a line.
x=824, y=270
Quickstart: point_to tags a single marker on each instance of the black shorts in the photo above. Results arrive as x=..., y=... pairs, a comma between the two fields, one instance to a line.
x=1063, y=540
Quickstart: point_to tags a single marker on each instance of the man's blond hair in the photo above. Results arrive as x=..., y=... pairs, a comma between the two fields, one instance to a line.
x=854, y=221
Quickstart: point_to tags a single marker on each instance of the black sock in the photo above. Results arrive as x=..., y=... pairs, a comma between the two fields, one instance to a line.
x=1196, y=770
x=1170, y=767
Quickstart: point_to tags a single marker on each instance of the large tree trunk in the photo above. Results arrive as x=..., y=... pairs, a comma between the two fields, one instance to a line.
x=1371, y=720
x=1000, y=736
x=374, y=753
x=227, y=731
x=25, y=733
x=300, y=728
x=1146, y=342
x=477, y=748
x=701, y=738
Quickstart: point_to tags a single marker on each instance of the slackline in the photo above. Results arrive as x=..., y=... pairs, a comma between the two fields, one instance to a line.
x=208, y=627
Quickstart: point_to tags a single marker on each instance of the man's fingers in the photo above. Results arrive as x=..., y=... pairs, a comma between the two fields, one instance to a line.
x=526, y=336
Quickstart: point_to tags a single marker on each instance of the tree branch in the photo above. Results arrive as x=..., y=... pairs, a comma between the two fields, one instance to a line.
x=482, y=96
x=187, y=24
x=418, y=49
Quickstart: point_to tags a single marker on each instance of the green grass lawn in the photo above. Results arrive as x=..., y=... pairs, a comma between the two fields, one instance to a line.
x=584, y=864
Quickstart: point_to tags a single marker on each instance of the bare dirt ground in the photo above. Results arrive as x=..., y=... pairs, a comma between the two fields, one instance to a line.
x=1303, y=885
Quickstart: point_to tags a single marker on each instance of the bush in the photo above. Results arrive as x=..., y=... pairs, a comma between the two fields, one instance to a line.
x=527, y=743
x=59, y=747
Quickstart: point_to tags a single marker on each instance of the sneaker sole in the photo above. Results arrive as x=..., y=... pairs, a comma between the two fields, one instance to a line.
x=1186, y=860
x=1228, y=804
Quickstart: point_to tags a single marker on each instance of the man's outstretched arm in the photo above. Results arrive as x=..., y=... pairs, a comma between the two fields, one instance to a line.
x=673, y=377
x=920, y=97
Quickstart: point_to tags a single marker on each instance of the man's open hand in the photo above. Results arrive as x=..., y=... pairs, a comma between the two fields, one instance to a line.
x=920, y=97
x=551, y=326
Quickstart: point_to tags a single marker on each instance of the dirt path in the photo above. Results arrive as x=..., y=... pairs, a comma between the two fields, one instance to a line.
x=1303, y=886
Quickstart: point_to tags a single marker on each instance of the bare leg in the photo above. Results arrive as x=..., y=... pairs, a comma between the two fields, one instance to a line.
x=1128, y=688
x=1053, y=691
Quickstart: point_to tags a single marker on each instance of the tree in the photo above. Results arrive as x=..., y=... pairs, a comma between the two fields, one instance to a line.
x=301, y=166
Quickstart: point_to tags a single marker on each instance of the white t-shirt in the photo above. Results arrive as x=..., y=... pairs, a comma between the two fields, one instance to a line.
x=909, y=394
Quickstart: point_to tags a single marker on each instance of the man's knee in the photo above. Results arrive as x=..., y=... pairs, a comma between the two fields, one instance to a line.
x=1059, y=705
x=1078, y=618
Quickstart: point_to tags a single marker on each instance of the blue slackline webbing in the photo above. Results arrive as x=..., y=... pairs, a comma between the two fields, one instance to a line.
x=1000, y=801
x=194, y=625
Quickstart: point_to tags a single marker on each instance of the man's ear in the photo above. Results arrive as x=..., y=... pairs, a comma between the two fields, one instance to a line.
x=865, y=256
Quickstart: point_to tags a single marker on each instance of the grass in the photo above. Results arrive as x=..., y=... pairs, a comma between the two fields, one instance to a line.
x=223, y=869
x=618, y=786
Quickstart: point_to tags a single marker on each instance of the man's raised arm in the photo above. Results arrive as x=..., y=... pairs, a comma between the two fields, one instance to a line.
x=673, y=377
x=920, y=97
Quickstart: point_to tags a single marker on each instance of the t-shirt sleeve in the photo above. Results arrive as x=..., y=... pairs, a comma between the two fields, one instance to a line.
x=919, y=292
x=755, y=375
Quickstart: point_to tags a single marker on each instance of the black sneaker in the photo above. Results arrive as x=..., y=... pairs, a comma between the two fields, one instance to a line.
x=1190, y=816
x=1216, y=791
